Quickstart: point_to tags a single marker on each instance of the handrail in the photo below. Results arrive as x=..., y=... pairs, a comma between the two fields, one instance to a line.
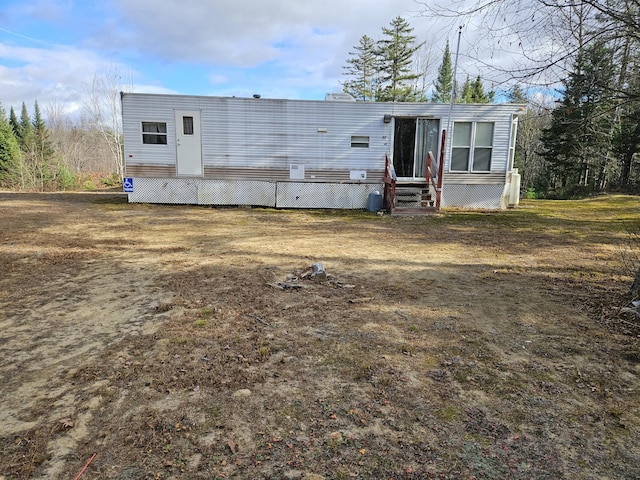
x=440, y=170
x=390, y=179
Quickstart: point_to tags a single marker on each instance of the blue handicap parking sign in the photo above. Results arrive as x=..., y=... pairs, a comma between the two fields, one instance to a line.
x=127, y=183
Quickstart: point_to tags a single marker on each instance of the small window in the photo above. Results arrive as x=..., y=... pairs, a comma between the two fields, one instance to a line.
x=154, y=133
x=187, y=125
x=358, y=141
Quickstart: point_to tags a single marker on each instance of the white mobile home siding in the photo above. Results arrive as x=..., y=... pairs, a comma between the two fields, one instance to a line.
x=249, y=145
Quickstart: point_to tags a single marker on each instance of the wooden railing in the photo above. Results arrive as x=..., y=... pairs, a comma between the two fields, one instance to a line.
x=434, y=171
x=390, y=179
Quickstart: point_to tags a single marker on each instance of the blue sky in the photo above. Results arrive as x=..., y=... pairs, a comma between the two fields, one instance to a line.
x=50, y=50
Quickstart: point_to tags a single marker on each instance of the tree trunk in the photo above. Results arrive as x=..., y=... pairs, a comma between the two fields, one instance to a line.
x=627, y=160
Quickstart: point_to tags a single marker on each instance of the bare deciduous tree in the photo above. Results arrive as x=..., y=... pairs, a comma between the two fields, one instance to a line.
x=103, y=108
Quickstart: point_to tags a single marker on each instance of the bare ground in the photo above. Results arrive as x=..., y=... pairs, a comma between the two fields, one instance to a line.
x=187, y=342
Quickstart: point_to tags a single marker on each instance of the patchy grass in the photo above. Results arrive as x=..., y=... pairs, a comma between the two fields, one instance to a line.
x=187, y=342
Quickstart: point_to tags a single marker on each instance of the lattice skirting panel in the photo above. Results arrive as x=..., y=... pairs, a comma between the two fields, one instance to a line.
x=248, y=192
x=486, y=197
x=237, y=192
x=195, y=191
x=324, y=195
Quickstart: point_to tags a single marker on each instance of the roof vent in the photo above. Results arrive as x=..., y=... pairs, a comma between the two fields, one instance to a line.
x=339, y=97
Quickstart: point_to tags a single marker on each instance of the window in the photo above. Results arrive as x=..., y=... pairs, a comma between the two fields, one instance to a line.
x=154, y=133
x=472, y=146
x=358, y=141
x=512, y=143
x=187, y=125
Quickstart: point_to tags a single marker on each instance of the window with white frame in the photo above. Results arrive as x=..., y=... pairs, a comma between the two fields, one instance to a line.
x=154, y=133
x=359, y=141
x=472, y=146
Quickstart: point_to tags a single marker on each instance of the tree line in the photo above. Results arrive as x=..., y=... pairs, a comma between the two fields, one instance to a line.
x=67, y=151
x=392, y=69
x=586, y=137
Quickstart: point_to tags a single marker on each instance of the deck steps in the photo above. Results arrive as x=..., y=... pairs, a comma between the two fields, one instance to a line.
x=413, y=200
x=413, y=211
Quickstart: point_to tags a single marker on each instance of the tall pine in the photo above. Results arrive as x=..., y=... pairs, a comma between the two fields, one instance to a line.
x=362, y=68
x=395, y=51
x=577, y=141
x=444, y=82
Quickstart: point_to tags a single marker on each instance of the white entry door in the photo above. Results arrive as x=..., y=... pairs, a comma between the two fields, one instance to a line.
x=188, y=143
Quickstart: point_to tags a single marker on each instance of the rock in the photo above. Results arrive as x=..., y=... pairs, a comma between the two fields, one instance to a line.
x=244, y=392
x=318, y=273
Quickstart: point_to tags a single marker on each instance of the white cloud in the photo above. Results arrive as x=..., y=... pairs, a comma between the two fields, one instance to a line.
x=59, y=73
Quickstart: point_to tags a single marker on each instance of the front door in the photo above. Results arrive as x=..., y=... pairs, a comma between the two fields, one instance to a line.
x=413, y=139
x=188, y=143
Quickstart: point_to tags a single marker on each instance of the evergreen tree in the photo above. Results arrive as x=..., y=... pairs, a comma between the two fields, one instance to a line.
x=444, y=82
x=41, y=141
x=473, y=92
x=465, y=95
x=25, y=130
x=13, y=121
x=477, y=92
x=9, y=151
x=362, y=68
x=42, y=150
x=577, y=141
x=395, y=51
x=516, y=95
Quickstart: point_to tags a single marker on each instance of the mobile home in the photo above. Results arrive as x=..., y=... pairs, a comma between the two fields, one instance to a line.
x=335, y=153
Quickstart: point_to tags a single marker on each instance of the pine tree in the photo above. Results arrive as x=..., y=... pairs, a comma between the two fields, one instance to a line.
x=473, y=92
x=516, y=95
x=41, y=142
x=42, y=150
x=362, y=68
x=444, y=82
x=465, y=95
x=477, y=92
x=577, y=140
x=13, y=121
x=25, y=130
x=9, y=151
x=395, y=51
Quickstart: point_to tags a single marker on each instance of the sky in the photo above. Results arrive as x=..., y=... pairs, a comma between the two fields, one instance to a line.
x=51, y=50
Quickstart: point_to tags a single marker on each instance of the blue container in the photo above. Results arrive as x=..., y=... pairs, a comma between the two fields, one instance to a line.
x=374, y=202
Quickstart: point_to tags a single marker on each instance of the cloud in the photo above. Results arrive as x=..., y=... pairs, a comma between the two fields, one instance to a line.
x=243, y=33
x=45, y=74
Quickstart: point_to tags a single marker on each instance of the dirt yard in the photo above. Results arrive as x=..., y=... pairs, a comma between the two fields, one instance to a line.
x=181, y=342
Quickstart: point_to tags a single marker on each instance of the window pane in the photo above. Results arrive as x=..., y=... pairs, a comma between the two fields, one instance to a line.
x=359, y=141
x=187, y=125
x=484, y=134
x=152, y=139
x=482, y=159
x=460, y=159
x=462, y=134
x=154, y=127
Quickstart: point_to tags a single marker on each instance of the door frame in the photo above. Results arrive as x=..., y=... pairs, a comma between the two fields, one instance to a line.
x=414, y=148
x=188, y=145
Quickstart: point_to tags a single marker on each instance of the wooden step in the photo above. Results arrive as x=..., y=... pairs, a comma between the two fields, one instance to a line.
x=413, y=211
